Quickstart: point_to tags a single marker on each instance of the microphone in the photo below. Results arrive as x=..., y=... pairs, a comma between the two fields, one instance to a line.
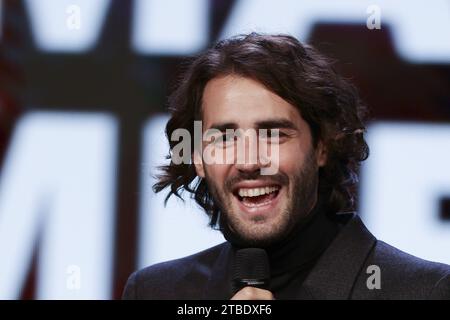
x=251, y=268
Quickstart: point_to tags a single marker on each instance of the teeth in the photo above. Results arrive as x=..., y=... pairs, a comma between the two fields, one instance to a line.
x=254, y=192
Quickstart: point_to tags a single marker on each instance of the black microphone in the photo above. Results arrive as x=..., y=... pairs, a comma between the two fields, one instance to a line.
x=251, y=268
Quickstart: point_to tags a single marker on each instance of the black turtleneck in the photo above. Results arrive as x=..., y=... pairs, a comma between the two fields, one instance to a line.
x=292, y=259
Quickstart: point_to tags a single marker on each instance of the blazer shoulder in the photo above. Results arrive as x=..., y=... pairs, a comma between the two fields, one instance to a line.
x=407, y=263
x=407, y=276
x=164, y=279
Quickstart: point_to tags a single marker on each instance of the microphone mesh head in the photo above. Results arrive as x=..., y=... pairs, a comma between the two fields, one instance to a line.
x=251, y=263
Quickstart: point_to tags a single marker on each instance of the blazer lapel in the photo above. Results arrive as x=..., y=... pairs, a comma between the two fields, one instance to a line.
x=333, y=277
x=219, y=285
x=335, y=273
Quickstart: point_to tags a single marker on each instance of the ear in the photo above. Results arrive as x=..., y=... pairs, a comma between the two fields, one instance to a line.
x=321, y=154
x=198, y=163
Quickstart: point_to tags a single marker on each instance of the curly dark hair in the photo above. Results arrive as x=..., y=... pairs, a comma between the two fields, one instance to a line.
x=301, y=76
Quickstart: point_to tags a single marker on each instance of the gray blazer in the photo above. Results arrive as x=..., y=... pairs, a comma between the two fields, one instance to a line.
x=342, y=272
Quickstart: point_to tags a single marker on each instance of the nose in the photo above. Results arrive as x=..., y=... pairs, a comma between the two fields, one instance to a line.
x=249, y=168
x=247, y=157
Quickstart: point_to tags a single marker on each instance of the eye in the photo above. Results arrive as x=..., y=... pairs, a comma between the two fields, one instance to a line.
x=228, y=137
x=282, y=134
x=274, y=136
x=224, y=139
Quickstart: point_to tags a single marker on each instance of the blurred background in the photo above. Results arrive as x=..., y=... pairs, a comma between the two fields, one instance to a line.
x=83, y=88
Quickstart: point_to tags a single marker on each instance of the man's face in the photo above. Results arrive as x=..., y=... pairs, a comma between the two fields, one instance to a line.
x=260, y=209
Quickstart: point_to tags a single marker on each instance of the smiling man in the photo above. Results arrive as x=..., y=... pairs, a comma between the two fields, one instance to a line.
x=260, y=209
x=302, y=214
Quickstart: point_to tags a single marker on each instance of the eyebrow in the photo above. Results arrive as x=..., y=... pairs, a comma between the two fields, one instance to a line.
x=276, y=124
x=265, y=124
x=223, y=126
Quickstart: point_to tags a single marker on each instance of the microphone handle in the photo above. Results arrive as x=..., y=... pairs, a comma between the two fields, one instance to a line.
x=238, y=284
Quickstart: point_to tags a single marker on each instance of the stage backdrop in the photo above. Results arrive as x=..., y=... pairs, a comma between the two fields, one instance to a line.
x=83, y=88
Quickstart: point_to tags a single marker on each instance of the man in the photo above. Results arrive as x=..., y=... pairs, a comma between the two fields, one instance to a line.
x=301, y=214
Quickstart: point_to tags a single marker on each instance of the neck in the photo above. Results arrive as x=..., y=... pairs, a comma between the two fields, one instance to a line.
x=305, y=243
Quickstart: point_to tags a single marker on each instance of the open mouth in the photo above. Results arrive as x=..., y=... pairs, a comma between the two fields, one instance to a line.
x=257, y=196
